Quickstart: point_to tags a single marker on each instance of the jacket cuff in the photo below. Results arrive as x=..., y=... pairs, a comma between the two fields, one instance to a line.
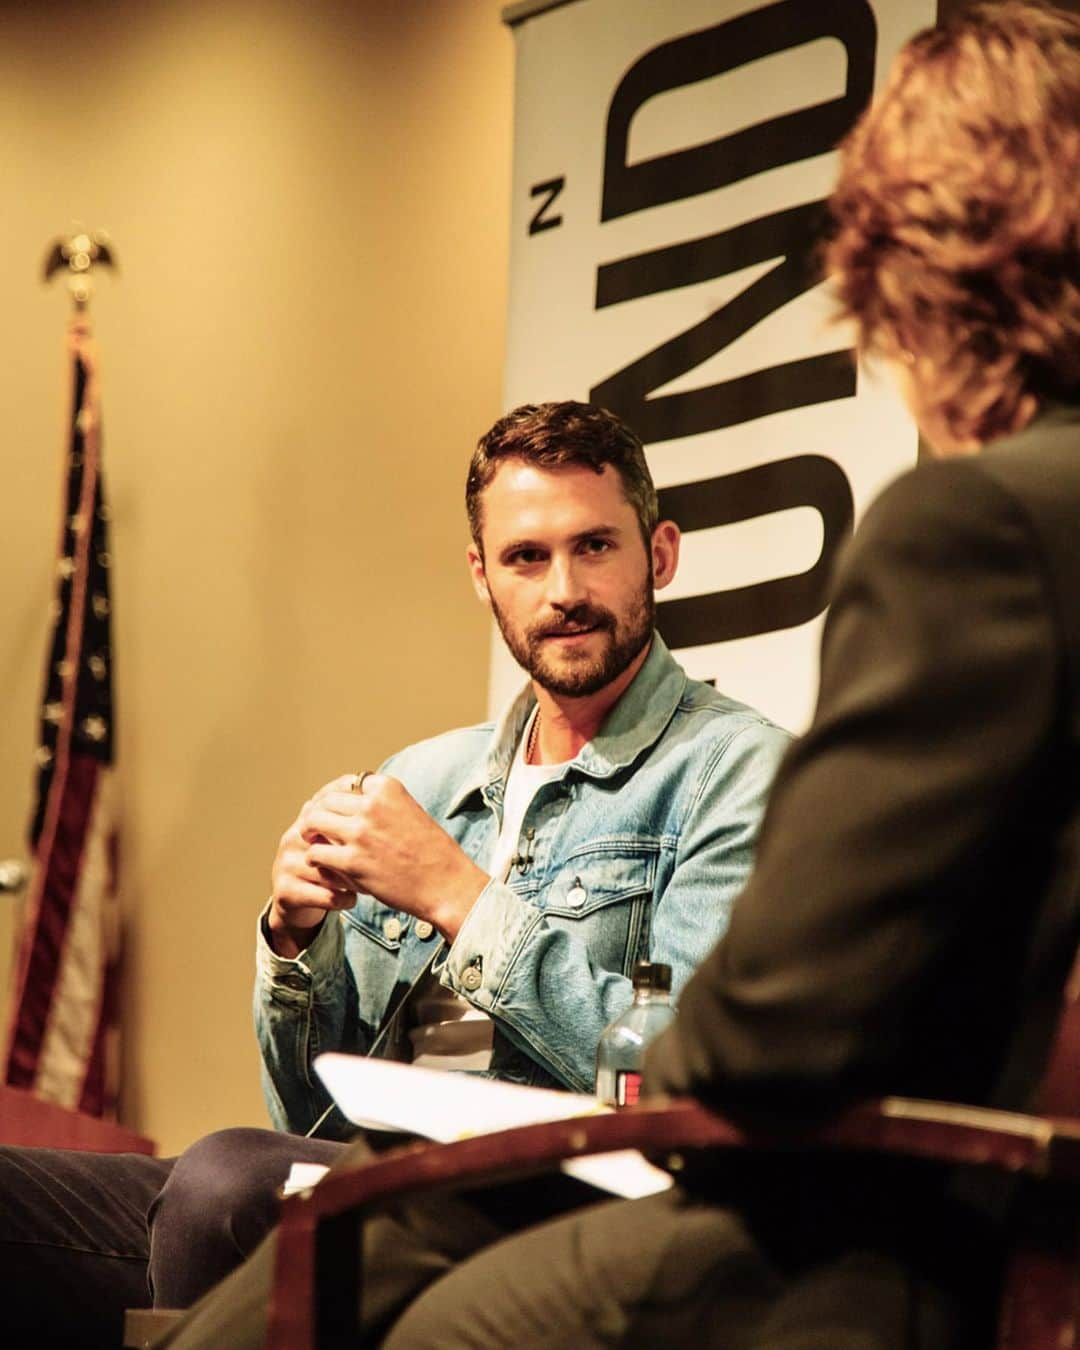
x=487, y=944
x=317, y=965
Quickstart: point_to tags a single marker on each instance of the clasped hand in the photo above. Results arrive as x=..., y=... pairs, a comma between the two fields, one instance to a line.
x=381, y=841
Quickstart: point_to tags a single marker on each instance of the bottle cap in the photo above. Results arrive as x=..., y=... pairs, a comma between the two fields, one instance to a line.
x=652, y=975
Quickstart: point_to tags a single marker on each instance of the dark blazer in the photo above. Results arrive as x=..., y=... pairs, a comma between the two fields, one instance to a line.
x=914, y=906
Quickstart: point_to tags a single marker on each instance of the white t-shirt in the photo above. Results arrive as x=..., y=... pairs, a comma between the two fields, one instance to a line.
x=451, y=1033
x=521, y=786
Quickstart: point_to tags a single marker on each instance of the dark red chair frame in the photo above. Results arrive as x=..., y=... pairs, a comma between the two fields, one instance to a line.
x=317, y=1265
x=26, y=1119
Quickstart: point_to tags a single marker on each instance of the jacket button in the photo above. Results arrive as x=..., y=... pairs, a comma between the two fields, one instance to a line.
x=575, y=896
x=392, y=929
x=472, y=978
x=424, y=929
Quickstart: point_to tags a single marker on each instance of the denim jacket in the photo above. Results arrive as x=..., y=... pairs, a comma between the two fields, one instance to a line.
x=636, y=849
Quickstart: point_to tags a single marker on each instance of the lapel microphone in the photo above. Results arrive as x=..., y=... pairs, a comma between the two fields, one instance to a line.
x=523, y=861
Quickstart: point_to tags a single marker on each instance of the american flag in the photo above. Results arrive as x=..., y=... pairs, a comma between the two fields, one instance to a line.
x=61, y=1039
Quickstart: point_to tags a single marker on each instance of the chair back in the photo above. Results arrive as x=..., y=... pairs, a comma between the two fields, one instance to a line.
x=1060, y=1093
x=1040, y=1302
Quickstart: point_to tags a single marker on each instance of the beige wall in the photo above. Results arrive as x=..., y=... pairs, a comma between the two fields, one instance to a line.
x=309, y=204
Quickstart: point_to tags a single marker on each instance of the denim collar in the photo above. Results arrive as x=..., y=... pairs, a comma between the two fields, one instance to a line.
x=633, y=724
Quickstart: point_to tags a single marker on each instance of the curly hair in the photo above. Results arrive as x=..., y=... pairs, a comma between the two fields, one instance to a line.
x=554, y=435
x=956, y=242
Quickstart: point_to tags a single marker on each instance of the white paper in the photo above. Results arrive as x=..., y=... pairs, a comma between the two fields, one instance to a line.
x=625, y=1172
x=380, y=1094
x=302, y=1177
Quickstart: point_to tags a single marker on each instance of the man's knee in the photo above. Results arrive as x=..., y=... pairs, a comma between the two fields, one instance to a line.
x=219, y=1203
x=224, y=1182
x=228, y=1162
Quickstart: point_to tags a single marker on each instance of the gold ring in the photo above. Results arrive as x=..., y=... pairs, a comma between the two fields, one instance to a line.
x=357, y=784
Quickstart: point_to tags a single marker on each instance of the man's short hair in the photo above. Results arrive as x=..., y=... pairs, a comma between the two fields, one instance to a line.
x=956, y=215
x=554, y=435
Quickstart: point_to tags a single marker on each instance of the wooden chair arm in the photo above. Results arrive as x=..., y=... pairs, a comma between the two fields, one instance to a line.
x=28, y=1120
x=664, y=1129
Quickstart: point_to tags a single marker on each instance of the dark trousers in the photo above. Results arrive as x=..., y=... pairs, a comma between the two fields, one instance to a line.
x=82, y=1234
x=404, y=1250
x=669, y=1271
x=85, y=1235
x=673, y=1271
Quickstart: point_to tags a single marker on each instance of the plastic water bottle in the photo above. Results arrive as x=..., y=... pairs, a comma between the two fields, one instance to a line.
x=622, y=1046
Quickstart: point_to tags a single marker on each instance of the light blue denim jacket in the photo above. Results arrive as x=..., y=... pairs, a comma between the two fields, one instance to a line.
x=636, y=849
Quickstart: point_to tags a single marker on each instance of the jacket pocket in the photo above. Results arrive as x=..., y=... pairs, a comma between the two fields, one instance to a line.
x=602, y=894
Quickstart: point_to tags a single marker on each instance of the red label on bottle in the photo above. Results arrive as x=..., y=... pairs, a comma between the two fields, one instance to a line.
x=627, y=1088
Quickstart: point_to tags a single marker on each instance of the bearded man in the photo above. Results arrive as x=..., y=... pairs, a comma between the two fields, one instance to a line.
x=477, y=904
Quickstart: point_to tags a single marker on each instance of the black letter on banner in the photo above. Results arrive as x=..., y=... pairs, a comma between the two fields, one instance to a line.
x=540, y=221
x=781, y=602
x=789, y=235
x=767, y=145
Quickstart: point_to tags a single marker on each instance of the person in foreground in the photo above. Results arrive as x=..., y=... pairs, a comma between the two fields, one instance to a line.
x=916, y=899
x=506, y=877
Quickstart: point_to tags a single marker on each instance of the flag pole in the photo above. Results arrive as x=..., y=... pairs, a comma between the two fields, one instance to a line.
x=61, y=1029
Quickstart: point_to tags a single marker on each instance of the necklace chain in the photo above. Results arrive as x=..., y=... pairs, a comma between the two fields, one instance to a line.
x=534, y=731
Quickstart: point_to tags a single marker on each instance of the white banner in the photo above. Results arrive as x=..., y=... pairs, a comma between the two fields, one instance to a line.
x=670, y=166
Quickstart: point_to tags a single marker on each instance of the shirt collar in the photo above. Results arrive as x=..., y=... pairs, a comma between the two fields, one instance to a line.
x=632, y=725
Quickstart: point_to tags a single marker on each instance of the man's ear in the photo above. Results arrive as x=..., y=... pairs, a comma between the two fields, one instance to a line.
x=665, y=552
x=476, y=571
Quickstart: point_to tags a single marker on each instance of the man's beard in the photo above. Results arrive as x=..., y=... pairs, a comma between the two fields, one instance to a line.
x=578, y=673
